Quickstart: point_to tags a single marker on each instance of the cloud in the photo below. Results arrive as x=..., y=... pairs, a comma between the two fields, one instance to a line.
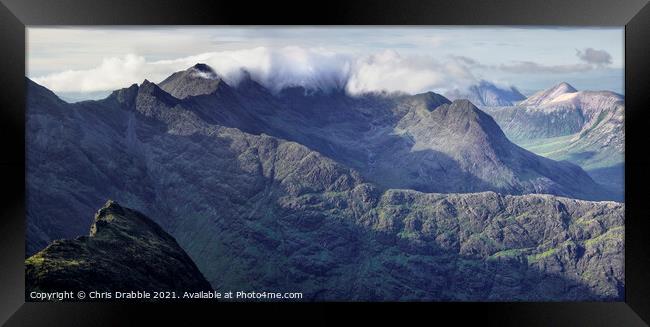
x=467, y=61
x=592, y=59
x=277, y=68
x=110, y=73
x=274, y=68
x=389, y=71
x=529, y=67
x=595, y=57
x=315, y=68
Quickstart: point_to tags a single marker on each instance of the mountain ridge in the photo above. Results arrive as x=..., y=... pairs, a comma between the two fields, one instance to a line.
x=317, y=119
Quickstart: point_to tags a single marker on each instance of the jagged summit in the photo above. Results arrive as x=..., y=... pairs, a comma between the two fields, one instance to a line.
x=148, y=95
x=462, y=106
x=105, y=259
x=430, y=100
x=203, y=71
x=151, y=90
x=565, y=87
x=146, y=85
x=202, y=68
x=463, y=115
x=113, y=216
x=199, y=79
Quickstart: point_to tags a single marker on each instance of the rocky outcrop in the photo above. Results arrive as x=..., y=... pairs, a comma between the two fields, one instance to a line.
x=125, y=251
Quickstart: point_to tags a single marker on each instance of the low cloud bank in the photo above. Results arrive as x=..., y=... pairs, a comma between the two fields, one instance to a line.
x=276, y=69
x=314, y=68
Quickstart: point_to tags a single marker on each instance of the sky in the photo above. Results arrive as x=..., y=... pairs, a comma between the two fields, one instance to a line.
x=89, y=62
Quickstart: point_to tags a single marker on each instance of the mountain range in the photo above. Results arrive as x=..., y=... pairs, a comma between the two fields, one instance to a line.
x=322, y=191
x=583, y=127
x=396, y=141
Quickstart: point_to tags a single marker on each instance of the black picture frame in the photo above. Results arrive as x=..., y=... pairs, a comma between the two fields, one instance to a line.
x=15, y=15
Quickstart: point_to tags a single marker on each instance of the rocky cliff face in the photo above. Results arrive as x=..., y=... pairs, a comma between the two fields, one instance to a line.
x=278, y=191
x=125, y=251
x=405, y=245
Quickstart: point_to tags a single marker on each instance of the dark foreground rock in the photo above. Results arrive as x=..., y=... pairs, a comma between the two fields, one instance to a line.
x=125, y=251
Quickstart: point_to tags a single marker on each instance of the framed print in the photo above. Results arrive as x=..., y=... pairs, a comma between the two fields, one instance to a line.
x=434, y=155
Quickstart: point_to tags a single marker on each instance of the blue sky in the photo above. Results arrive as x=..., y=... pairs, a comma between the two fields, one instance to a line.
x=90, y=62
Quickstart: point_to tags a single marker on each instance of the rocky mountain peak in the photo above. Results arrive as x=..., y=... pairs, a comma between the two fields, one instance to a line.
x=202, y=68
x=564, y=87
x=199, y=79
x=464, y=114
x=431, y=100
x=203, y=71
x=462, y=108
x=147, y=87
x=150, y=90
x=550, y=94
x=108, y=252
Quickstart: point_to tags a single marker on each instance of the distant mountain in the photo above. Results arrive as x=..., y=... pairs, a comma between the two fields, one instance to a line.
x=558, y=92
x=486, y=94
x=458, y=148
x=295, y=191
x=584, y=127
x=125, y=251
x=557, y=111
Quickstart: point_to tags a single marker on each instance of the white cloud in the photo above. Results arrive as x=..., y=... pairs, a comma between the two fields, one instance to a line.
x=110, y=73
x=527, y=57
x=391, y=72
x=278, y=68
